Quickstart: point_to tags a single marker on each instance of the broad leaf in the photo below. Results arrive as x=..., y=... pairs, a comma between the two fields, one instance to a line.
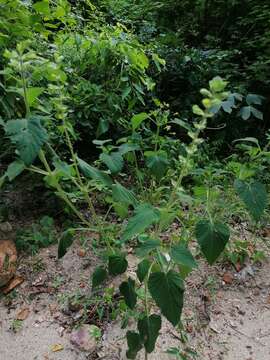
x=114, y=162
x=245, y=112
x=126, y=148
x=157, y=163
x=121, y=210
x=93, y=173
x=212, y=238
x=123, y=195
x=145, y=215
x=32, y=94
x=253, y=195
x=254, y=99
x=42, y=7
x=28, y=135
x=127, y=289
x=142, y=269
x=167, y=290
x=14, y=169
x=103, y=127
x=147, y=246
x=117, y=264
x=134, y=344
x=136, y=120
x=182, y=256
x=149, y=328
x=99, y=275
x=65, y=242
x=217, y=84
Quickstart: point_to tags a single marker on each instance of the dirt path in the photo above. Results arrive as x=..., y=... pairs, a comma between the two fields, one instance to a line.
x=222, y=321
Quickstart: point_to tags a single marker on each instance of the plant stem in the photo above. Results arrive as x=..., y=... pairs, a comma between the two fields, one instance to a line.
x=27, y=108
x=61, y=192
x=81, y=184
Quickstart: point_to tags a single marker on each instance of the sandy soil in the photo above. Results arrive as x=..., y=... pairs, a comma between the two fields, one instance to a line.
x=221, y=321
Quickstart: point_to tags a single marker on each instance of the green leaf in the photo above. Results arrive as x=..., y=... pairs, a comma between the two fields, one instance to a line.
x=32, y=94
x=117, y=264
x=121, y=210
x=28, y=135
x=167, y=290
x=157, y=163
x=42, y=7
x=127, y=289
x=145, y=215
x=254, y=99
x=254, y=196
x=123, y=195
x=14, y=169
x=146, y=247
x=182, y=256
x=93, y=173
x=2, y=180
x=142, y=269
x=217, y=84
x=212, y=238
x=99, y=275
x=103, y=127
x=114, y=162
x=197, y=110
x=136, y=120
x=126, y=148
x=65, y=242
x=149, y=328
x=245, y=112
x=134, y=344
x=256, y=113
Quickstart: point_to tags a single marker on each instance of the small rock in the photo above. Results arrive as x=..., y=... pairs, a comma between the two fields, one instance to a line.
x=5, y=227
x=83, y=338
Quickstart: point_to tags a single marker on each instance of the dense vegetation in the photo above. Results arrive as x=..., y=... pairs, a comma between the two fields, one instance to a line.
x=149, y=120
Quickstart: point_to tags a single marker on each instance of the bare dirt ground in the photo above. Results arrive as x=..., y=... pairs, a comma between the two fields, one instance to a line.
x=229, y=321
x=225, y=317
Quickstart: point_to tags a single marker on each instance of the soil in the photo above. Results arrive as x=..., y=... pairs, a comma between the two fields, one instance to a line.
x=226, y=313
x=221, y=320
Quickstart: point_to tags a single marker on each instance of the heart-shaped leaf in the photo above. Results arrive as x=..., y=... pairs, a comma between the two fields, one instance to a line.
x=254, y=196
x=182, y=256
x=212, y=238
x=65, y=242
x=149, y=328
x=117, y=264
x=127, y=289
x=93, y=173
x=99, y=275
x=123, y=195
x=113, y=161
x=167, y=290
x=142, y=269
x=145, y=215
x=28, y=135
x=134, y=344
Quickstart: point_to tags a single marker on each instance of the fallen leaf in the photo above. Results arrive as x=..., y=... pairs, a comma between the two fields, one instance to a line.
x=57, y=347
x=23, y=314
x=228, y=278
x=189, y=328
x=266, y=232
x=81, y=252
x=238, y=267
x=16, y=281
